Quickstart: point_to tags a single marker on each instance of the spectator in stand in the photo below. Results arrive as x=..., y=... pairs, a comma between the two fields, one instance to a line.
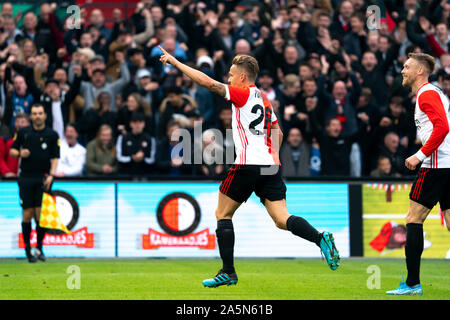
x=101, y=157
x=295, y=155
x=291, y=62
x=100, y=114
x=17, y=100
x=341, y=24
x=9, y=166
x=170, y=155
x=395, y=119
x=213, y=155
x=45, y=31
x=383, y=169
x=90, y=90
x=56, y=105
x=72, y=154
x=368, y=117
x=392, y=149
x=136, y=150
x=355, y=41
x=374, y=74
x=335, y=149
x=289, y=99
x=9, y=27
x=96, y=19
x=446, y=85
x=265, y=81
x=341, y=102
x=125, y=41
x=205, y=100
x=134, y=104
x=7, y=9
x=175, y=106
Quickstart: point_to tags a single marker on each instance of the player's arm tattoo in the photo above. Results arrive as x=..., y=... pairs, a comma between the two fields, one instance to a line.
x=218, y=88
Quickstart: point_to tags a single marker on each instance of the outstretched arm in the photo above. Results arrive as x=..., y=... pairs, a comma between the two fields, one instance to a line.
x=197, y=76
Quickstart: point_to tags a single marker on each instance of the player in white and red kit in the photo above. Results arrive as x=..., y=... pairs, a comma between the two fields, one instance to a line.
x=256, y=168
x=432, y=185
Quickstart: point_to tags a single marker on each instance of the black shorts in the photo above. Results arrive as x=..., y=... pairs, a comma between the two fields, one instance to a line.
x=432, y=186
x=30, y=191
x=265, y=181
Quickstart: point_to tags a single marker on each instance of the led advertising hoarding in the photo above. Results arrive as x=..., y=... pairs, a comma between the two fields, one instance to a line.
x=384, y=227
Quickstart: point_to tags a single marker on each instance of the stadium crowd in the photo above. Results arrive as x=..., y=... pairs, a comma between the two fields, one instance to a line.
x=334, y=84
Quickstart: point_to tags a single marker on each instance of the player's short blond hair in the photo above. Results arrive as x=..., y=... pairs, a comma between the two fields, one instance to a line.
x=248, y=64
x=425, y=60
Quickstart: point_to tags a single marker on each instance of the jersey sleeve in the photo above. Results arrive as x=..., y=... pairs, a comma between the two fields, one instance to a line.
x=274, y=118
x=238, y=96
x=430, y=103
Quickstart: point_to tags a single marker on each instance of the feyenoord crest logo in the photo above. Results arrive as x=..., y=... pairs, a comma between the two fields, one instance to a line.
x=178, y=214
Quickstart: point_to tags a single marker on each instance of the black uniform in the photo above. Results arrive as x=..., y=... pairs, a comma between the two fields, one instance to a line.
x=43, y=146
x=130, y=144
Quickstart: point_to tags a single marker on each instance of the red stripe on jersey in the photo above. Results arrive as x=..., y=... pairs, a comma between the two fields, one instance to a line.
x=240, y=133
x=431, y=160
x=430, y=103
x=245, y=144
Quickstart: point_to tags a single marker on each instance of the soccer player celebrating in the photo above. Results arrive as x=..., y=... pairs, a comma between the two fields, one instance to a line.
x=432, y=118
x=256, y=167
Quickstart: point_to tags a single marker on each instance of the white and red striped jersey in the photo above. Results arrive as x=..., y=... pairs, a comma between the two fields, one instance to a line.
x=432, y=118
x=253, y=118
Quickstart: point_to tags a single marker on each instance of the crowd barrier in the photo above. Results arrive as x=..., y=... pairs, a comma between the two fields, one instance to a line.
x=177, y=219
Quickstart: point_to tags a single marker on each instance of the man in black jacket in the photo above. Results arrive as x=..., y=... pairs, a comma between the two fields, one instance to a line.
x=136, y=150
x=335, y=149
x=57, y=106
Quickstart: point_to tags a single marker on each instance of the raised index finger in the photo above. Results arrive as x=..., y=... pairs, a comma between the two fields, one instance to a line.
x=160, y=48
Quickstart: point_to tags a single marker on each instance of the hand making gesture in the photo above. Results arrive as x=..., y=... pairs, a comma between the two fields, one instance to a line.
x=167, y=57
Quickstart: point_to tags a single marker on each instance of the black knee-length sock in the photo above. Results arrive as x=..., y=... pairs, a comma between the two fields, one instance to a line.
x=26, y=233
x=300, y=227
x=40, y=234
x=225, y=240
x=413, y=252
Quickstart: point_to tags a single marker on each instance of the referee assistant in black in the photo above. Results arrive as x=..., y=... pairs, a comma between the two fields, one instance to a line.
x=38, y=148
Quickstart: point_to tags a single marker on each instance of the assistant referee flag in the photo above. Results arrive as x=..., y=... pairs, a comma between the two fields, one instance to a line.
x=49, y=214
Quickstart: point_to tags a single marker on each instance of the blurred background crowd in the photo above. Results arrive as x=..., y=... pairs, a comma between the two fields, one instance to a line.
x=334, y=84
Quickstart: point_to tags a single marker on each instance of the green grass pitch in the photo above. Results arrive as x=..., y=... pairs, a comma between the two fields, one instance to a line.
x=180, y=279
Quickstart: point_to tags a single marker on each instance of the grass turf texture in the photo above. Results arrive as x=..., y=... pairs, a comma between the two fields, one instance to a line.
x=259, y=279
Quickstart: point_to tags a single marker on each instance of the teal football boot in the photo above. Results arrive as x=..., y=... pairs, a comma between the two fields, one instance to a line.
x=405, y=290
x=329, y=250
x=221, y=279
